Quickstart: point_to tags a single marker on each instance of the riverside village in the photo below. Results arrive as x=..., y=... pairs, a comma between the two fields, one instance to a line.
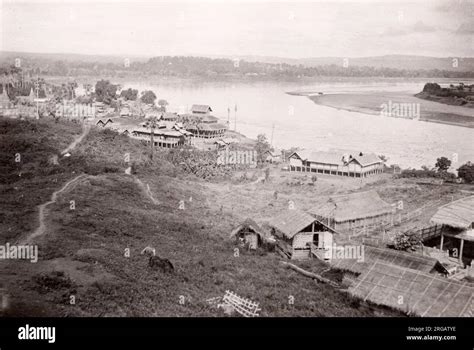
x=112, y=169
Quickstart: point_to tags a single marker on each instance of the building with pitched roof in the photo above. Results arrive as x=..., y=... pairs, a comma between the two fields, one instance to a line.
x=201, y=109
x=273, y=156
x=457, y=219
x=162, y=137
x=353, y=210
x=298, y=233
x=249, y=233
x=355, y=164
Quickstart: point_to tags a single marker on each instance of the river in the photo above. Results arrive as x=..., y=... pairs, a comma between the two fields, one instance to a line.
x=296, y=121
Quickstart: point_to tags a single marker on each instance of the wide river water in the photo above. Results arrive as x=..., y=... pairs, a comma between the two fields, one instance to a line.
x=296, y=121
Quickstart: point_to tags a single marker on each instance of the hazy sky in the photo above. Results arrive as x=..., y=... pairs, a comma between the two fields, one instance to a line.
x=285, y=29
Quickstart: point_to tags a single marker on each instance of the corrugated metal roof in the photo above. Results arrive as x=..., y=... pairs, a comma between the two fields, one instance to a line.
x=367, y=159
x=353, y=206
x=336, y=157
x=158, y=132
x=459, y=214
x=206, y=127
x=290, y=222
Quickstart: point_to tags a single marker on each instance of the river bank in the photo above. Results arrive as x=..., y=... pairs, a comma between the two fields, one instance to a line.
x=373, y=103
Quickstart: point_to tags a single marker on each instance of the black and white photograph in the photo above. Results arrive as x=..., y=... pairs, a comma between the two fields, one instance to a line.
x=237, y=159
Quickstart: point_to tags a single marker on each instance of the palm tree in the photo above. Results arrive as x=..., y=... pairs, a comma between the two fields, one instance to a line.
x=152, y=123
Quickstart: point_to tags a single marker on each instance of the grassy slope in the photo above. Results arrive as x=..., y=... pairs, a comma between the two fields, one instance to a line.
x=87, y=245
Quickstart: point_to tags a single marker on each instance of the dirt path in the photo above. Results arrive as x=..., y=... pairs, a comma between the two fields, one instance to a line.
x=42, y=208
x=77, y=140
x=146, y=190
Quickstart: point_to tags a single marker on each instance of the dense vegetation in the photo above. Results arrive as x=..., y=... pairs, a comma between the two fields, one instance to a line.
x=460, y=95
x=187, y=66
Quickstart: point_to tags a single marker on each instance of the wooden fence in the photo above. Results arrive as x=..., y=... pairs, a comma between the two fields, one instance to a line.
x=245, y=307
x=429, y=232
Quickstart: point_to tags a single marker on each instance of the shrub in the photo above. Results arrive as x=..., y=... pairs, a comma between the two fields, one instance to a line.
x=407, y=241
x=466, y=172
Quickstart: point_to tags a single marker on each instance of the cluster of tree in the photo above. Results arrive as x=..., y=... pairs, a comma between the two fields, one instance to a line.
x=188, y=66
x=106, y=92
x=207, y=67
x=460, y=90
x=129, y=94
x=148, y=97
x=65, y=91
x=440, y=171
x=466, y=172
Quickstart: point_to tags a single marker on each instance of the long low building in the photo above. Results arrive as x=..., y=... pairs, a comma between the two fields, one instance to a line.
x=357, y=164
x=207, y=131
x=165, y=138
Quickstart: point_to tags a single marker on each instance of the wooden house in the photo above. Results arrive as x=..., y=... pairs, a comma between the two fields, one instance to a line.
x=207, y=130
x=273, y=156
x=248, y=234
x=203, y=125
x=163, y=137
x=298, y=234
x=201, y=109
x=354, y=210
x=457, y=219
x=355, y=164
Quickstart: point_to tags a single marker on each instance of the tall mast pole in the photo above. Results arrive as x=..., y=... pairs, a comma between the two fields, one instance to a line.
x=271, y=140
x=235, y=118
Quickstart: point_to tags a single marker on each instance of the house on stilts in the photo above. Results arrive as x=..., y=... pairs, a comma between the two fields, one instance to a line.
x=351, y=164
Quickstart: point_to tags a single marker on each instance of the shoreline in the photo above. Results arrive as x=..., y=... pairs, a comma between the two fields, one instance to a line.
x=370, y=103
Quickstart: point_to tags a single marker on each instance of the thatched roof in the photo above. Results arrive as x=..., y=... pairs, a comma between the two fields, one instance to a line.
x=459, y=214
x=248, y=224
x=426, y=295
x=291, y=222
x=388, y=256
x=352, y=206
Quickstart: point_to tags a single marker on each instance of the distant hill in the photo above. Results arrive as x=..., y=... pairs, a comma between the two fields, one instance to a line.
x=389, y=61
x=9, y=56
x=262, y=67
x=408, y=62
